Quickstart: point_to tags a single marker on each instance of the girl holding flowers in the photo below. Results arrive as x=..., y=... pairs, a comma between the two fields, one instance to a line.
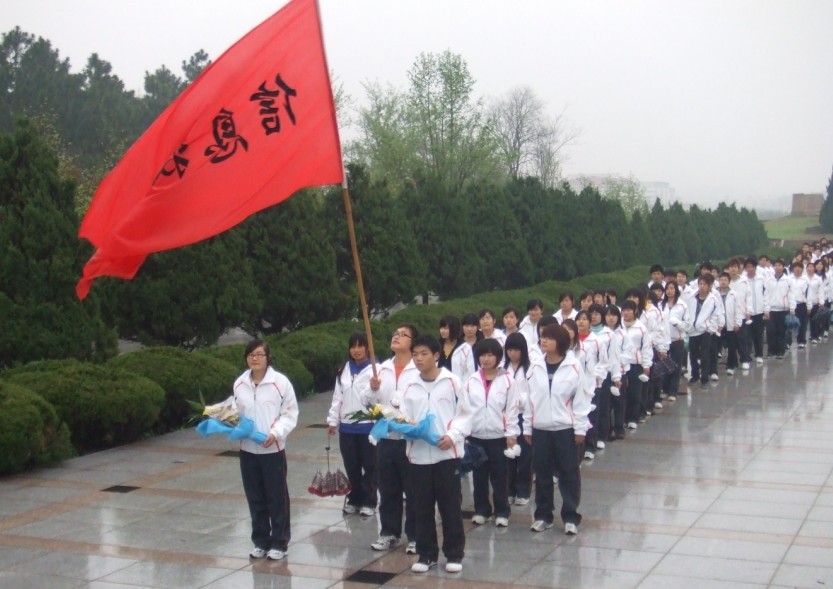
x=266, y=396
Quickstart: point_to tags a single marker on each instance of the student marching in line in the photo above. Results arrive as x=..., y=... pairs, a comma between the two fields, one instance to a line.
x=519, y=473
x=494, y=428
x=705, y=312
x=622, y=350
x=815, y=301
x=741, y=286
x=781, y=303
x=728, y=328
x=823, y=270
x=610, y=373
x=394, y=377
x=651, y=318
x=639, y=361
x=595, y=372
x=535, y=352
x=436, y=391
x=566, y=307
x=656, y=324
x=510, y=320
x=656, y=275
x=488, y=321
x=585, y=299
x=758, y=309
x=351, y=394
x=529, y=324
x=798, y=289
x=677, y=320
x=557, y=414
x=455, y=353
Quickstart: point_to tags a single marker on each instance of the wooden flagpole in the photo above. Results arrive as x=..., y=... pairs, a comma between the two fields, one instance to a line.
x=351, y=229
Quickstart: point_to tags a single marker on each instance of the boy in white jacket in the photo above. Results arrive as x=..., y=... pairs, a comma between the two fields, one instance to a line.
x=436, y=469
x=557, y=413
x=733, y=319
x=704, y=309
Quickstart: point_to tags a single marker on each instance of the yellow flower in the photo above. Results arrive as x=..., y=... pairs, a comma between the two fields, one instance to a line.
x=377, y=410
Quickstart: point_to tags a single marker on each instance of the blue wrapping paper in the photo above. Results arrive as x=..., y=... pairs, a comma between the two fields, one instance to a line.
x=423, y=430
x=245, y=430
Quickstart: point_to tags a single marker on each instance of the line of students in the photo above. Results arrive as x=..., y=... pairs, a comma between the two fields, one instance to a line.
x=548, y=392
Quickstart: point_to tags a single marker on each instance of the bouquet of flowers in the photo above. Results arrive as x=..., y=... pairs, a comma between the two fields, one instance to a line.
x=224, y=418
x=370, y=413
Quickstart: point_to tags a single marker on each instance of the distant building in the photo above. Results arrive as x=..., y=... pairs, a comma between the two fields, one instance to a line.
x=652, y=190
x=658, y=190
x=807, y=204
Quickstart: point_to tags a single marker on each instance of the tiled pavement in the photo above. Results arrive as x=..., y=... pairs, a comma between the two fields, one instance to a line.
x=726, y=488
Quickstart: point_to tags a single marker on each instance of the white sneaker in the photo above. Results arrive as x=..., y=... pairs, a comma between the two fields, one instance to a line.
x=478, y=519
x=386, y=543
x=671, y=398
x=348, y=509
x=521, y=501
x=411, y=548
x=257, y=553
x=540, y=525
x=801, y=346
x=729, y=371
x=657, y=405
x=570, y=529
x=367, y=511
x=588, y=455
x=714, y=377
x=501, y=522
x=632, y=425
x=745, y=366
x=276, y=554
x=423, y=566
x=600, y=445
x=453, y=567
x=759, y=361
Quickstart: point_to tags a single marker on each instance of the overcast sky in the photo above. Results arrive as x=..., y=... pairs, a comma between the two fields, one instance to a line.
x=723, y=99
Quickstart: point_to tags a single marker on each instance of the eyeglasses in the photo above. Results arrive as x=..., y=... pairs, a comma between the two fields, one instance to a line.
x=402, y=334
x=256, y=356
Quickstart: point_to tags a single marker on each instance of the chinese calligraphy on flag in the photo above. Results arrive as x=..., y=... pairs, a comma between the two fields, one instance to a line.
x=255, y=127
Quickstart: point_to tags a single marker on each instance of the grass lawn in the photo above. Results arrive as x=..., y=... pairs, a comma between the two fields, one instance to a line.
x=793, y=227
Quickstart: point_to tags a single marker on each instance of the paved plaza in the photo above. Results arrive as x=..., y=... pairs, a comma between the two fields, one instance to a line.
x=726, y=488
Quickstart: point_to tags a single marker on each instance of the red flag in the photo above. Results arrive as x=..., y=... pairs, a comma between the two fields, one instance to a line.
x=257, y=125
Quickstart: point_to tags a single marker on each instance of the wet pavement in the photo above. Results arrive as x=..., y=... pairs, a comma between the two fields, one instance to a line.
x=730, y=487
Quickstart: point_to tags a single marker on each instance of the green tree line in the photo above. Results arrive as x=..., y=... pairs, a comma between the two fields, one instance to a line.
x=448, y=198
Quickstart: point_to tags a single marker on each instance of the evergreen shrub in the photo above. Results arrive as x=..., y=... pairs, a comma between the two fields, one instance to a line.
x=102, y=406
x=182, y=375
x=30, y=432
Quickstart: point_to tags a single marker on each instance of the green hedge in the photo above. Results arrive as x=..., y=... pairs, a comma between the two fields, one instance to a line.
x=30, y=432
x=103, y=407
x=295, y=370
x=323, y=348
x=182, y=375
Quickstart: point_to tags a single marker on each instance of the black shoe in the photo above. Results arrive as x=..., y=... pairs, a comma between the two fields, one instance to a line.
x=692, y=380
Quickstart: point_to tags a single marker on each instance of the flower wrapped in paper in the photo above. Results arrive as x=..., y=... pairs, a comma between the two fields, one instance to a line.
x=423, y=430
x=370, y=413
x=224, y=418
